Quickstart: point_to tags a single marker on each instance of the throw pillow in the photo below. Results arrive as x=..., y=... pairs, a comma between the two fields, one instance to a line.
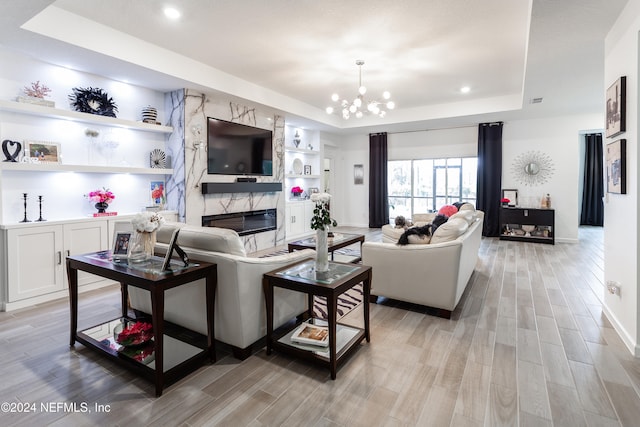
x=448, y=210
x=467, y=215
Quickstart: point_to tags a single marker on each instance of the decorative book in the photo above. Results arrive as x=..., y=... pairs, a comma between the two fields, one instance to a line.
x=311, y=334
x=98, y=214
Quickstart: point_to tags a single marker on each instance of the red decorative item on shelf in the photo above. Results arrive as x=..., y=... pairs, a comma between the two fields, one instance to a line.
x=135, y=334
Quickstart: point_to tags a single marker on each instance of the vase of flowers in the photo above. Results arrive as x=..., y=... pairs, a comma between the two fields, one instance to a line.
x=145, y=224
x=102, y=198
x=320, y=222
x=296, y=192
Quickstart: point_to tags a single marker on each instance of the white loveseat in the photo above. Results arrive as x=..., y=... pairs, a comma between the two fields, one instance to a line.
x=240, y=313
x=433, y=274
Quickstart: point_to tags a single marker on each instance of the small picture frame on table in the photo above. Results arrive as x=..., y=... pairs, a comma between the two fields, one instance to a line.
x=121, y=245
x=313, y=190
x=42, y=152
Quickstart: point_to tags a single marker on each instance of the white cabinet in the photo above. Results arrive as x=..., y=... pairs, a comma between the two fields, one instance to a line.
x=298, y=218
x=35, y=264
x=34, y=268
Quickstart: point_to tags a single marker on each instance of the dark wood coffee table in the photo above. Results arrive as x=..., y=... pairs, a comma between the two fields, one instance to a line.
x=340, y=241
x=343, y=339
x=176, y=351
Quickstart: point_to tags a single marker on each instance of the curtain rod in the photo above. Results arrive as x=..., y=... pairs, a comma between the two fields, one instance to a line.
x=427, y=130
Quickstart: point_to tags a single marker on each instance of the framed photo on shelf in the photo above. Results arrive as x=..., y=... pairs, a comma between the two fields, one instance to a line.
x=313, y=190
x=616, y=108
x=158, y=195
x=307, y=169
x=308, y=333
x=42, y=152
x=616, y=164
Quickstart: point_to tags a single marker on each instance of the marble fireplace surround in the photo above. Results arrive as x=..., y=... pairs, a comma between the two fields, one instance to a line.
x=188, y=111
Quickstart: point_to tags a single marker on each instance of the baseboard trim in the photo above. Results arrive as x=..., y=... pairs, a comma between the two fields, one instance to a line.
x=626, y=338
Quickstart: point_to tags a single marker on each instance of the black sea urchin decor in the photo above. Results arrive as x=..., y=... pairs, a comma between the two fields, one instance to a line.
x=93, y=101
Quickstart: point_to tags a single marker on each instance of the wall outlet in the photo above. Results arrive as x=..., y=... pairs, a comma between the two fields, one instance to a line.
x=613, y=287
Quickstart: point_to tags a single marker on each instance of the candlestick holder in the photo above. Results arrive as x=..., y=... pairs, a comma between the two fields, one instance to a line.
x=24, y=197
x=40, y=206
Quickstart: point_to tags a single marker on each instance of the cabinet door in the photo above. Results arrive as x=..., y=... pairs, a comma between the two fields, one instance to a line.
x=35, y=262
x=83, y=237
x=294, y=219
x=308, y=214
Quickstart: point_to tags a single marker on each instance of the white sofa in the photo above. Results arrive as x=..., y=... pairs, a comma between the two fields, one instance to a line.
x=240, y=313
x=432, y=273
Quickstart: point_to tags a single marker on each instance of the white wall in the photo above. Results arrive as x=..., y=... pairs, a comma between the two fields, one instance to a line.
x=561, y=139
x=621, y=211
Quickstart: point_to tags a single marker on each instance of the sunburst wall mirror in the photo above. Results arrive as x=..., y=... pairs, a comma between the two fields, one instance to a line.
x=532, y=168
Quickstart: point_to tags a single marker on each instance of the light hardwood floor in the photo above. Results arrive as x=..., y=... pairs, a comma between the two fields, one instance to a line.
x=527, y=346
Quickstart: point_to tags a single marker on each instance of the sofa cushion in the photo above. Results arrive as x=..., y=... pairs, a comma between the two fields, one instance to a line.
x=467, y=207
x=467, y=215
x=450, y=230
x=164, y=233
x=211, y=239
x=390, y=233
x=423, y=218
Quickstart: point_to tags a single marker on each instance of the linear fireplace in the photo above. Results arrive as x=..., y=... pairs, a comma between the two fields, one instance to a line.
x=244, y=222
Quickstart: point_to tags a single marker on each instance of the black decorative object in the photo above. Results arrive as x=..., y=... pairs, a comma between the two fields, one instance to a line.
x=11, y=157
x=40, y=219
x=101, y=206
x=24, y=196
x=93, y=101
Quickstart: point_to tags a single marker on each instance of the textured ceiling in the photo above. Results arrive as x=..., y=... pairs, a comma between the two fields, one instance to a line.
x=291, y=55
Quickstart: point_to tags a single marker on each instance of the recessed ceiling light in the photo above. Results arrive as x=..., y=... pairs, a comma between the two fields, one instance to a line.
x=465, y=89
x=171, y=13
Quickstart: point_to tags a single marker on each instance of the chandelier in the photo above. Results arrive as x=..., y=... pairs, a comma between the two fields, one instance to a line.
x=359, y=106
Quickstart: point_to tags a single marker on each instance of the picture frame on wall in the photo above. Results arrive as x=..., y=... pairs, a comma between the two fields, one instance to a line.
x=616, y=165
x=157, y=192
x=512, y=195
x=42, y=152
x=616, y=107
x=358, y=174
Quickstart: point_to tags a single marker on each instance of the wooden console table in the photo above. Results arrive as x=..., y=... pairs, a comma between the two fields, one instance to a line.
x=301, y=277
x=514, y=220
x=176, y=351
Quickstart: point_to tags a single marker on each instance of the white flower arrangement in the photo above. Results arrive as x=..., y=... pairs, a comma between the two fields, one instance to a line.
x=321, y=215
x=147, y=222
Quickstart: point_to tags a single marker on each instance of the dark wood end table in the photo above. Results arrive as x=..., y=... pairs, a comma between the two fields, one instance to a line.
x=187, y=349
x=340, y=241
x=341, y=277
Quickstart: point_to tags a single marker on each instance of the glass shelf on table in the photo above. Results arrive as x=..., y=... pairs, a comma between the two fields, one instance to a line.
x=345, y=335
x=307, y=270
x=175, y=350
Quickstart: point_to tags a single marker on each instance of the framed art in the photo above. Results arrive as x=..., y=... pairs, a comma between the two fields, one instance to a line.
x=616, y=107
x=158, y=195
x=616, y=164
x=358, y=174
x=42, y=152
x=307, y=169
x=512, y=195
x=313, y=190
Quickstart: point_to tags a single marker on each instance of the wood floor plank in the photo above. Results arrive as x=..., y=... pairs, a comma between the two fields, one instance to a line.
x=532, y=390
x=556, y=365
x=593, y=396
x=502, y=407
x=565, y=406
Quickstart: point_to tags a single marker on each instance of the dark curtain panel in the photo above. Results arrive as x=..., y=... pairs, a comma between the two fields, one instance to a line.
x=490, y=176
x=593, y=190
x=378, y=195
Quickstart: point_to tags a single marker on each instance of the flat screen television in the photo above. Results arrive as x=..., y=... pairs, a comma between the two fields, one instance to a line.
x=237, y=149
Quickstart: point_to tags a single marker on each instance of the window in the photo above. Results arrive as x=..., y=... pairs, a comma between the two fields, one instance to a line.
x=425, y=185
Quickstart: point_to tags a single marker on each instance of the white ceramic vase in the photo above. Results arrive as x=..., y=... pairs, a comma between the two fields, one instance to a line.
x=322, y=251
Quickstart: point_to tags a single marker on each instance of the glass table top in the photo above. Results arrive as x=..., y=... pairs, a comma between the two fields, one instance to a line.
x=307, y=270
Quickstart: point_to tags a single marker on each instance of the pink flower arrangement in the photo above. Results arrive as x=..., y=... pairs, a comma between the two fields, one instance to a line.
x=296, y=190
x=101, y=196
